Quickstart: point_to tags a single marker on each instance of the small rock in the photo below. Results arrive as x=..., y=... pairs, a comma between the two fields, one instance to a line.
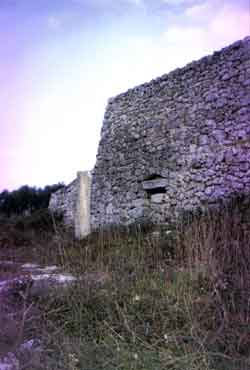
x=9, y=362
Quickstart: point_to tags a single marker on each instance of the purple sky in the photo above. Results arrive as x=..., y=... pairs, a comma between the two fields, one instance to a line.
x=62, y=59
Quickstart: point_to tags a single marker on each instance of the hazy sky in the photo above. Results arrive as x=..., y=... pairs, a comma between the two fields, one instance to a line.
x=60, y=60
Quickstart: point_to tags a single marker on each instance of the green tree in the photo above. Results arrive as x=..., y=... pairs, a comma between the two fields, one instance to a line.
x=26, y=199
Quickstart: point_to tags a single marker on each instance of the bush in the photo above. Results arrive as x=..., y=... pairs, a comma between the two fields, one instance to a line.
x=26, y=199
x=41, y=221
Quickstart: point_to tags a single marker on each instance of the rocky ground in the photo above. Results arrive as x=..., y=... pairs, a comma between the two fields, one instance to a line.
x=20, y=285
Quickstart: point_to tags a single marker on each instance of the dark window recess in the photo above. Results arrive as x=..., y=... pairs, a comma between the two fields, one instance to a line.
x=153, y=177
x=155, y=184
x=153, y=191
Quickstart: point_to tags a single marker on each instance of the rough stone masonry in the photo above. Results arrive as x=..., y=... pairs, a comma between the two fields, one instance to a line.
x=179, y=142
x=73, y=202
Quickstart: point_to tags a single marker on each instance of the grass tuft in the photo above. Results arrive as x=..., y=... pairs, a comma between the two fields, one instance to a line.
x=152, y=298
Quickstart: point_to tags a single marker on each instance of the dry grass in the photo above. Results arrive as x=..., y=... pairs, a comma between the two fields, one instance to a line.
x=149, y=300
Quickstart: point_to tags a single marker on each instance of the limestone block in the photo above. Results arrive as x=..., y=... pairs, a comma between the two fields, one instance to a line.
x=157, y=198
x=153, y=184
x=82, y=215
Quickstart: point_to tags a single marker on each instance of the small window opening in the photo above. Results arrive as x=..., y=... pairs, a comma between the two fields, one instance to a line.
x=159, y=190
x=155, y=184
x=154, y=177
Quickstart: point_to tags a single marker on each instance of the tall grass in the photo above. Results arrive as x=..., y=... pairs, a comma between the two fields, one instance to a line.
x=153, y=298
x=165, y=299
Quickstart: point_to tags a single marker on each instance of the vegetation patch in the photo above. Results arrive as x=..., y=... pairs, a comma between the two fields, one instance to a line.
x=175, y=298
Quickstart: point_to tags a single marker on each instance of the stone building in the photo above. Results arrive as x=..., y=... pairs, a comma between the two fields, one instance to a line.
x=176, y=143
x=179, y=142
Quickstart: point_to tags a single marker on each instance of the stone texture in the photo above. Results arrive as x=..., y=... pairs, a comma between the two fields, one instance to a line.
x=73, y=202
x=63, y=202
x=82, y=216
x=154, y=184
x=9, y=362
x=188, y=130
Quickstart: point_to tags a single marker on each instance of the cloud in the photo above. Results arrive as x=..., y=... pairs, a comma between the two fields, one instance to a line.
x=136, y=2
x=201, y=10
x=107, y=3
x=229, y=24
x=209, y=25
x=177, y=35
x=180, y=2
x=54, y=23
x=198, y=31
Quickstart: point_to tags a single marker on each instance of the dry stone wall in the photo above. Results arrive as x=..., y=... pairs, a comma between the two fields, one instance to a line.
x=179, y=142
x=73, y=203
x=63, y=202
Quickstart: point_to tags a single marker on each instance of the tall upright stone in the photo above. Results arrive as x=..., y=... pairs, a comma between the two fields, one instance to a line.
x=82, y=215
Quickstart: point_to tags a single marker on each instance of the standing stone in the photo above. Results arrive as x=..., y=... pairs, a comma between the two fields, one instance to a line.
x=82, y=215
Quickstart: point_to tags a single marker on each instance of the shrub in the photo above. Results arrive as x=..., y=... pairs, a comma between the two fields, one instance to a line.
x=26, y=199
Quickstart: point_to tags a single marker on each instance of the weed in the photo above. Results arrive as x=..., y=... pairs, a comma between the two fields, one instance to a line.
x=152, y=299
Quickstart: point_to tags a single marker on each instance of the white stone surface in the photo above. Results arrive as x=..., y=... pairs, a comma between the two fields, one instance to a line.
x=30, y=266
x=82, y=216
x=58, y=278
x=9, y=362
